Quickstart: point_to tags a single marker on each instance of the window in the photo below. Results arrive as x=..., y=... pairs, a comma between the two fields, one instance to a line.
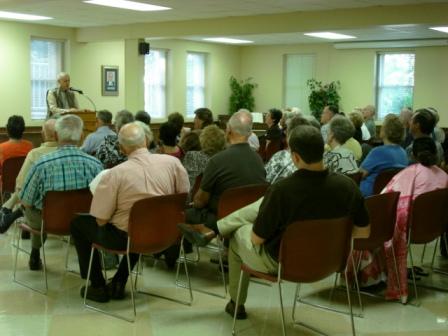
x=297, y=70
x=155, y=83
x=395, y=82
x=46, y=63
x=195, y=82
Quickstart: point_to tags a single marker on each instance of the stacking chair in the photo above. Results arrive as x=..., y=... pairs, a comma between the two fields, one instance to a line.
x=59, y=209
x=383, y=179
x=152, y=229
x=427, y=222
x=272, y=147
x=382, y=214
x=310, y=251
x=230, y=201
x=10, y=170
x=357, y=177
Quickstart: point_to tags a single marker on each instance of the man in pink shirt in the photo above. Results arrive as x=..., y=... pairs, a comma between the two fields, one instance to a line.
x=142, y=175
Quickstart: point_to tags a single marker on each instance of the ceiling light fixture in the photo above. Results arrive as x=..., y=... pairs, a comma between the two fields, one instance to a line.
x=440, y=29
x=125, y=4
x=227, y=40
x=330, y=36
x=20, y=16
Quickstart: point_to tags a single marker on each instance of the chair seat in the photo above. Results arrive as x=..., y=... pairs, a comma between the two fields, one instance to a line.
x=26, y=227
x=260, y=275
x=101, y=247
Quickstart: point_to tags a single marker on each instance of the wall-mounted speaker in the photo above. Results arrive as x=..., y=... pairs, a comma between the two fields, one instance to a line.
x=143, y=48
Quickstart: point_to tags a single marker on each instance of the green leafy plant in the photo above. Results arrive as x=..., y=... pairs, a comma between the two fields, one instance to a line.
x=241, y=94
x=322, y=95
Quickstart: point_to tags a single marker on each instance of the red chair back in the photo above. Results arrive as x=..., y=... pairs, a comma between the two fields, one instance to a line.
x=197, y=185
x=383, y=179
x=382, y=211
x=10, y=170
x=60, y=207
x=153, y=223
x=311, y=250
x=428, y=216
x=237, y=198
x=357, y=177
x=273, y=147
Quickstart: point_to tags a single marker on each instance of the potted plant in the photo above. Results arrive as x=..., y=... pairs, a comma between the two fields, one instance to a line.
x=322, y=95
x=241, y=94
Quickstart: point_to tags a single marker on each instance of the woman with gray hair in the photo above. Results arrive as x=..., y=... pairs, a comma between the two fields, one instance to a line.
x=340, y=159
x=109, y=151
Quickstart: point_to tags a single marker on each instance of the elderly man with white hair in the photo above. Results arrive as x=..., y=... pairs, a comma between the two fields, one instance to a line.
x=142, y=175
x=67, y=168
x=236, y=166
x=61, y=100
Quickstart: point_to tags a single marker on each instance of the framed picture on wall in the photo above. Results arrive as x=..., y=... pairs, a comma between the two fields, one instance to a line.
x=109, y=80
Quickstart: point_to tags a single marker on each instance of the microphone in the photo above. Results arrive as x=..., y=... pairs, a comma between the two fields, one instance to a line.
x=76, y=90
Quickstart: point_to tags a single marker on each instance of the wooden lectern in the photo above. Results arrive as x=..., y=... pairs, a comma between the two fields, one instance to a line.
x=89, y=119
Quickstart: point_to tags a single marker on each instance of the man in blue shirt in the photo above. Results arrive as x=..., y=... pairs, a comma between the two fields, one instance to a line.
x=94, y=140
x=67, y=168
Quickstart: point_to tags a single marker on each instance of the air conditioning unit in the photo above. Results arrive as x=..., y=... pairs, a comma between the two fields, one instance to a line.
x=391, y=44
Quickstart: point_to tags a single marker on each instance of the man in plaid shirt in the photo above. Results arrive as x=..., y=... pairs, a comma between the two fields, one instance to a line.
x=67, y=168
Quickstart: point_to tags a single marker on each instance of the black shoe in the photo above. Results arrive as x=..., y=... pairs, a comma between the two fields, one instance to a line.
x=241, y=311
x=25, y=235
x=6, y=219
x=98, y=294
x=35, y=263
x=193, y=236
x=3, y=213
x=116, y=290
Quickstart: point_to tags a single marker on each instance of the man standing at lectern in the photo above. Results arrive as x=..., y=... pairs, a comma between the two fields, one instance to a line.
x=61, y=100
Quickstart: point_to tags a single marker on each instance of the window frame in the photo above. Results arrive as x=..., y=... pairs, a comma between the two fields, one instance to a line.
x=378, y=87
x=63, y=44
x=205, y=87
x=166, y=91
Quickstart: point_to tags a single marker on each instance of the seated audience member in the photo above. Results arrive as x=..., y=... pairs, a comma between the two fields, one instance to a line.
x=148, y=134
x=177, y=120
x=238, y=165
x=142, y=175
x=67, y=168
x=327, y=114
x=405, y=118
x=357, y=121
x=253, y=140
x=281, y=165
x=143, y=116
x=419, y=178
x=109, y=152
x=7, y=216
x=167, y=141
x=438, y=133
x=190, y=142
x=202, y=118
x=340, y=159
x=368, y=113
x=212, y=140
x=289, y=113
x=390, y=155
x=95, y=139
x=256, y=230
x=422, y=125
x=272, y=120
x=15, y=146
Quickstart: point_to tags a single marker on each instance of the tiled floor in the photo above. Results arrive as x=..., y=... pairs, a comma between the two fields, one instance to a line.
x=61, y=313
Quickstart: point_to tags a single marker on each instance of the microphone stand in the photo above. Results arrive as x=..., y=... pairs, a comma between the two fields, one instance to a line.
x=90, y=100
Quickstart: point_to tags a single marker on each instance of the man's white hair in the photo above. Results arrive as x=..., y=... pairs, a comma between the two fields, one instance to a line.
x=69, y=128
x=148, y=133
x=62, y=75
x=134, y=138
x=241, y=123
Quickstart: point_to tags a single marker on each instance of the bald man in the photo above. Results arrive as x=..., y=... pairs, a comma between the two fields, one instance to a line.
x=7, y=216
x=61, y=100
x=142, y=175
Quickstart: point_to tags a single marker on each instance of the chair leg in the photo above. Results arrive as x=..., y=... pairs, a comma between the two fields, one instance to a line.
x=281, y=306
x=44, y=264
x=240, y=281
x=221, y=264
x=434, y=253
x=358, y=290
x=350, y=304
x=413, y=275
x=336, y=277
x=132, y=285
x=422, y=258
x=294, y=305
x=139, y=264
x=397, y=276
x=17, y=246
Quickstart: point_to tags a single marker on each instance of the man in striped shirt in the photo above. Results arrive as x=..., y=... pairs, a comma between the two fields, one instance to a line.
x=67, y=168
